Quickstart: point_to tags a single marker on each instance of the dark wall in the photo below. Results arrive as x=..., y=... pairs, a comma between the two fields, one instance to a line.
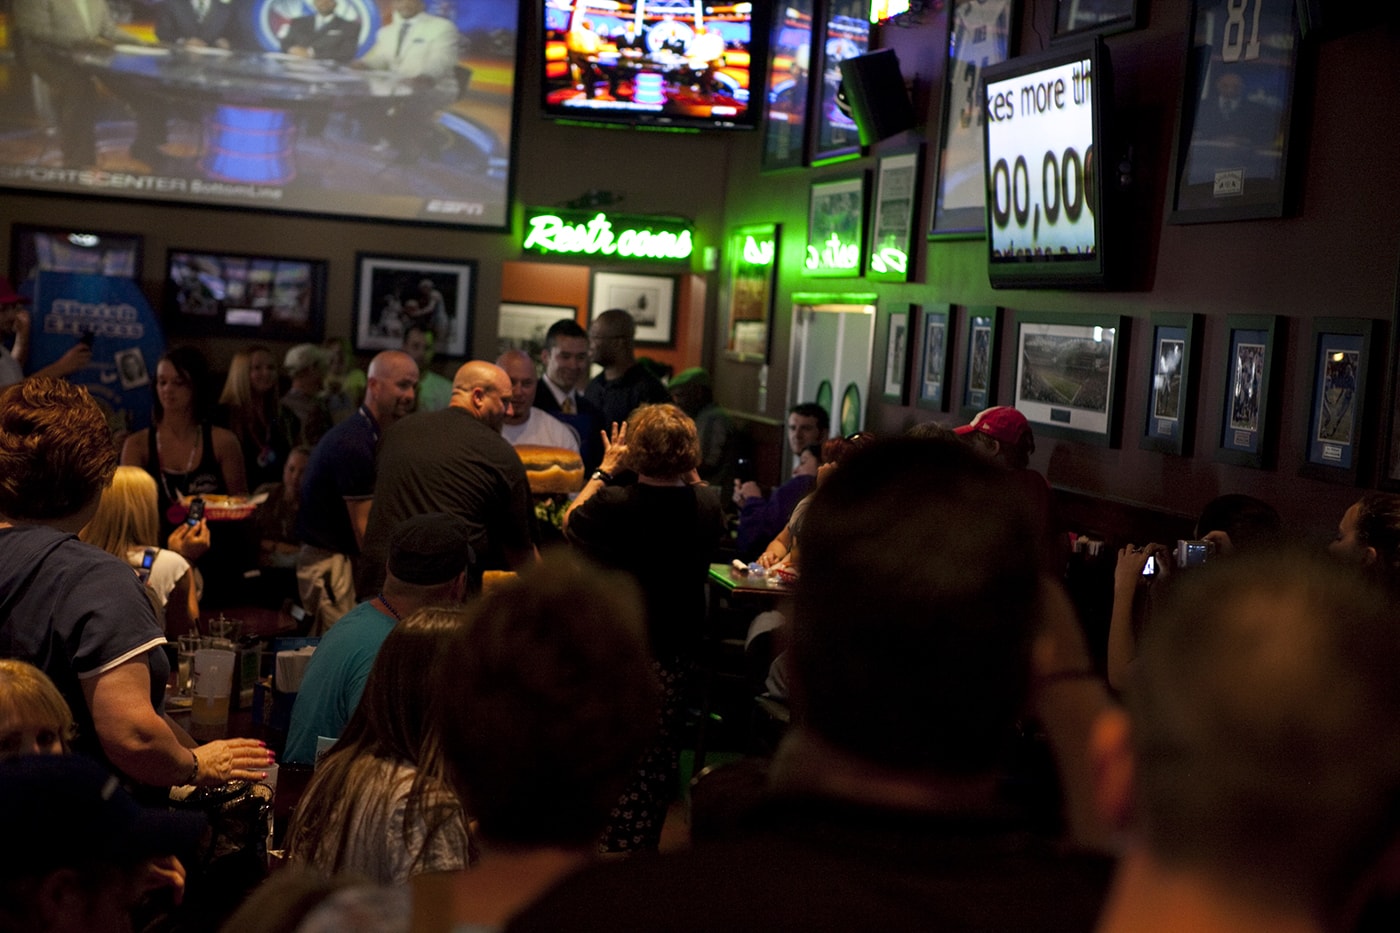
x=1336, y=257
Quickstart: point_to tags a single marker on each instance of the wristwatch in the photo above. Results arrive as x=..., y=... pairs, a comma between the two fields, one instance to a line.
x=602, y=476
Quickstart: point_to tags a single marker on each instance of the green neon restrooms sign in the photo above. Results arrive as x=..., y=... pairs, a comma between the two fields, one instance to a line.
x=600, y=235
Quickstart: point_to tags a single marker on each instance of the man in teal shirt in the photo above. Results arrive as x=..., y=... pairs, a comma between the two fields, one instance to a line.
x=429, y=556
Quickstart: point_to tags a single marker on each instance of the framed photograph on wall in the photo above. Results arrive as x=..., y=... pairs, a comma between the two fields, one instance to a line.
x=980, y=33
x=1171, y=390
x=750, y=275
x=789, y=81
x=1088, y=17
x=845, y=34
x=981, y=355
x=1247, y=416
x=1339, y=417
x=933, y=359
x=1234, y=125
x=897, y=355
x=1068, y=369
x=836, y=227
x=523, y=326
x=650, y=299
x=892, y=226
x=395, y=293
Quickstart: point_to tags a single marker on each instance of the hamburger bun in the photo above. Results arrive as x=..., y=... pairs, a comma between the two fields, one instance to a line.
x=551, y=470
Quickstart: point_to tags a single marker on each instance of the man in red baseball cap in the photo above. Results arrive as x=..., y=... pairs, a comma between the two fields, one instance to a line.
x=1003, y=435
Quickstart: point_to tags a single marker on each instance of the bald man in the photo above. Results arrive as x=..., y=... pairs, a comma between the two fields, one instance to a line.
x=455, y=461
x=527, y=424
x=624, y=383
x=338, y=488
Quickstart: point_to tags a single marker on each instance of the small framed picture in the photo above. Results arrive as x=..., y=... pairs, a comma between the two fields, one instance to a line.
x=1338, y=417
x=1171, y=391
x=1246, y=420
x=650, y=299
x=1068, y=367
x=836, y=227
x=396, y=293
x=523, y=326
x=1087, y=17
x=980, y=33
x=897, y=356
x=933, y=359
x=750, y=275
x=131, y=368
x=980, y=358
x=892, y=227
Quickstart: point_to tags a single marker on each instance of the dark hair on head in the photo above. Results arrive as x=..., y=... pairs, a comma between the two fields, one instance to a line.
x=56, y=453
x=838, y=450
x=191, y=365
x=931, y=430
x=396, y=720
x=812, y=410
x=567, y=327
x=549, y=698
x=925, y=664
x=815, y=450
x=1255, y=705
x=1378, y=526
x=1249, y=522
x=661, y=441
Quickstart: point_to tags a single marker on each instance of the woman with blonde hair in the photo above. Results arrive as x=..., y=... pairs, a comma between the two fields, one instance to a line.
x=380, y=803
x=250, y=406
x=34, y=719
x=124, y=525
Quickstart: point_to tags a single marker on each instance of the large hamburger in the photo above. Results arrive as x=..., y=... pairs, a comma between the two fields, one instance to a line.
x=551, y=470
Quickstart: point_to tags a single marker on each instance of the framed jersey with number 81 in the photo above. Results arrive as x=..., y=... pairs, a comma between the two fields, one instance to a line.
x=1234, y=126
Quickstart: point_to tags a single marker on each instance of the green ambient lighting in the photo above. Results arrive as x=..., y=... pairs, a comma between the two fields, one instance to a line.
x=758, y=252
x=834, y=254
x=889, y=259
x=598, y=234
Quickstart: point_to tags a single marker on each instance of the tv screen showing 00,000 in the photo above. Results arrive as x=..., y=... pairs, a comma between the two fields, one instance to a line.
x=1041, y=163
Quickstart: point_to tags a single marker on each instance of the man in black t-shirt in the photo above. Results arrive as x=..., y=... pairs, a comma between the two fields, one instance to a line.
x=454, y=461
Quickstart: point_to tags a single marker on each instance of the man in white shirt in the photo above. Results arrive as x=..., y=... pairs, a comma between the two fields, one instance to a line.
x=529, y=425
x=417, y=53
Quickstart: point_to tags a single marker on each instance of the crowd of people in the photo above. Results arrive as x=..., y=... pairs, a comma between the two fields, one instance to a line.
x=480, y=751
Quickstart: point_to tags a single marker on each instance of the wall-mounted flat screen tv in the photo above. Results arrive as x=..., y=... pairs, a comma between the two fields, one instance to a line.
x=1046, y=204
x=35, y=249
x=666, y=63
x=250, y=297
x=370, y=115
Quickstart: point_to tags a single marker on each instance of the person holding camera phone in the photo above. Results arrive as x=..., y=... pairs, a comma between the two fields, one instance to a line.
x=1228, y=524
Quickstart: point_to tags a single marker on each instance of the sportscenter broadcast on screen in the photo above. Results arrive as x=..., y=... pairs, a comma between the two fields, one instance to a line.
x=396, y=110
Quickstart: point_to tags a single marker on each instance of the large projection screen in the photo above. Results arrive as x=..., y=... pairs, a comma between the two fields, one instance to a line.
x=375, y=110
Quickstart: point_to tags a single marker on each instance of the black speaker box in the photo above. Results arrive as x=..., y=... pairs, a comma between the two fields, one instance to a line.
x=874, y=88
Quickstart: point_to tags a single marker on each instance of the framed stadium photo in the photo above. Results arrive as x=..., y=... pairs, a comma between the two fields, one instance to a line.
x=1068, y=367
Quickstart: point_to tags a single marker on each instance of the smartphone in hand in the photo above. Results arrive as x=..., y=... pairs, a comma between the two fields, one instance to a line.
x=196, y=513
